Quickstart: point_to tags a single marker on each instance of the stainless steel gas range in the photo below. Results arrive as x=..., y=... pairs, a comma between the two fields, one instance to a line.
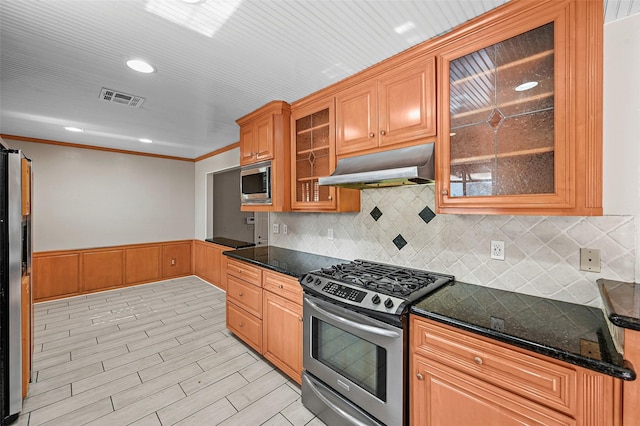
x=355, y=339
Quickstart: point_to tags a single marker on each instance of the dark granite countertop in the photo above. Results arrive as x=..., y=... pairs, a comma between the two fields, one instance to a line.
x=566, y=331
x=621, y=302
x=289, y=262
x=236, y=244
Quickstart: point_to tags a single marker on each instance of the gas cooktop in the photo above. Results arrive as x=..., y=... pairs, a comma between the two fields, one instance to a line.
x=373, y=286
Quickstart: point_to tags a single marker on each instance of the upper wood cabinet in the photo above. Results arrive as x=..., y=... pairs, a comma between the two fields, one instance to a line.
x=521, y=111
x=26, y=186
x=313, y=156
x=264, y=135
x=261, y=130
x=396, y=108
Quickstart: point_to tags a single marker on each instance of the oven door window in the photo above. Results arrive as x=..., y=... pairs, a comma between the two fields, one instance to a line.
x=352, y=357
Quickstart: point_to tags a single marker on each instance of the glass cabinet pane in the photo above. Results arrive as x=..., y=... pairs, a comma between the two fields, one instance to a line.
x=502, y=117
x=312, y=156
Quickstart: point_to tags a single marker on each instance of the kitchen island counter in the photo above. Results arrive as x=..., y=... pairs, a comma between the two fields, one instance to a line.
x=290, y=262
x=573, y=333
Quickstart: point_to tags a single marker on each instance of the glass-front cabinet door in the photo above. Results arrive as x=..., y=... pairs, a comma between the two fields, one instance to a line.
x=502, y=117
x=512, y=117
x=313, y=151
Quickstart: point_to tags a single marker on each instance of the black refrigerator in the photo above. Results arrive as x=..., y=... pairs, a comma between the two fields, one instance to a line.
x=15, y=262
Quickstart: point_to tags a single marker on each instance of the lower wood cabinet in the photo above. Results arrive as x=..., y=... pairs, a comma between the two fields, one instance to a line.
x=264, y=309
x=209, y=263
x=244, y=302
x=27, y=335
x=458, y=377
x=245, y=326
x=282, y=323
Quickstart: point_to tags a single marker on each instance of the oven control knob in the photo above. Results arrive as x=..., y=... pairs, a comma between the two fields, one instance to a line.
x=309, y=278
x=318, y=281
x=388, y=303
x=375, y=299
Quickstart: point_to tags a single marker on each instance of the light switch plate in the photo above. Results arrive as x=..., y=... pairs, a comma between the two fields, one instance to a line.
x=589, y=260
x=276, y=228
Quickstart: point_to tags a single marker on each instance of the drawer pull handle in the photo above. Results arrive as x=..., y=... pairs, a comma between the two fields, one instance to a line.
x=420, y=376
x=280, y=286
x=477, y=360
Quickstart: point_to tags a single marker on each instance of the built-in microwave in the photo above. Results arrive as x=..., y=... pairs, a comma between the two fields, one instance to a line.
x=255, y=183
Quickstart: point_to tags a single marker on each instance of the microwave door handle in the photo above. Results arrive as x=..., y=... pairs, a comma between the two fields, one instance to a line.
x=358, y=326
x=342, y=413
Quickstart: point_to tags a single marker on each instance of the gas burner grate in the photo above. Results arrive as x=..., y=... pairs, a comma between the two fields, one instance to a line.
x=388, y=279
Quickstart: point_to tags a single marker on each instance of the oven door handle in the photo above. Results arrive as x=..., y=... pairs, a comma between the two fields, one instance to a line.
x=358, y=326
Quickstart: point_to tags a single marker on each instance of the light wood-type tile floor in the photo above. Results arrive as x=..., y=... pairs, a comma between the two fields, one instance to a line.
x=153, y=354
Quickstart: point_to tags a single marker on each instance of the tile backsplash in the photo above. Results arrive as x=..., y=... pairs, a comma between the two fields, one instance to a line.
x=398, y=226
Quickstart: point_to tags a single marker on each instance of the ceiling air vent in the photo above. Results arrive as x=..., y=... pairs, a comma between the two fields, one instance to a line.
x=114, y=96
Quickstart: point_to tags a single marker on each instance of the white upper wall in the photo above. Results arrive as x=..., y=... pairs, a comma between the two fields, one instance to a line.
x=85, y=198
x=621, y=174
x=621, y=183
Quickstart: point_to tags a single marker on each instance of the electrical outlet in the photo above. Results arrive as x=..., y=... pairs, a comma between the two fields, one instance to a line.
x=497, y=324
x=329, y=234
x=285, y=229
x=497, y=250
x=276, y=228
x=589, y=260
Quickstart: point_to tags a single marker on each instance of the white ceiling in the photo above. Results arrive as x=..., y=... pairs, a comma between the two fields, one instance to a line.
x=216, y=61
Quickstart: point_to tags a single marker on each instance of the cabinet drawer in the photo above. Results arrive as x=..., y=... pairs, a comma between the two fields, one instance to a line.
x=283, y=285
x=535, y=378
x=249, y=273
x=245, y=295
x=245, y=326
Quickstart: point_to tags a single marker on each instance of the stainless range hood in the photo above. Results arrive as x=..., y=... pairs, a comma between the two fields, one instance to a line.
x=405, y=166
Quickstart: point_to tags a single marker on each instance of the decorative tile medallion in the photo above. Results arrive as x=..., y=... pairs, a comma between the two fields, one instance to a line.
x=399, y=241
x=376, y=213
x=427, y=214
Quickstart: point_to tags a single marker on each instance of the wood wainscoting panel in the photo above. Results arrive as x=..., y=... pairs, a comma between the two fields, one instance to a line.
x=142, y=264
x=56, y=275
x=176, y=259
x=64, y=273
x=102, y=269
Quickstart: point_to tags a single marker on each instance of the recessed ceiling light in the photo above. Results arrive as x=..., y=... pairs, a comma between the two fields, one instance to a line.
x=140, y=66
x=74, y=129
x=526, y=86
x=145, y=140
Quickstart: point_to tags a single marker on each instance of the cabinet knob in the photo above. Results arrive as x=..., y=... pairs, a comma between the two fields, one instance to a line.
x=383, y=132
x=330, y=198
x=280, y=286
x=371, y=135
x=419, y=376
x=240, y=294
x=477, y=360
x=300, y=319
x=241, y=324
x=445, y=192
